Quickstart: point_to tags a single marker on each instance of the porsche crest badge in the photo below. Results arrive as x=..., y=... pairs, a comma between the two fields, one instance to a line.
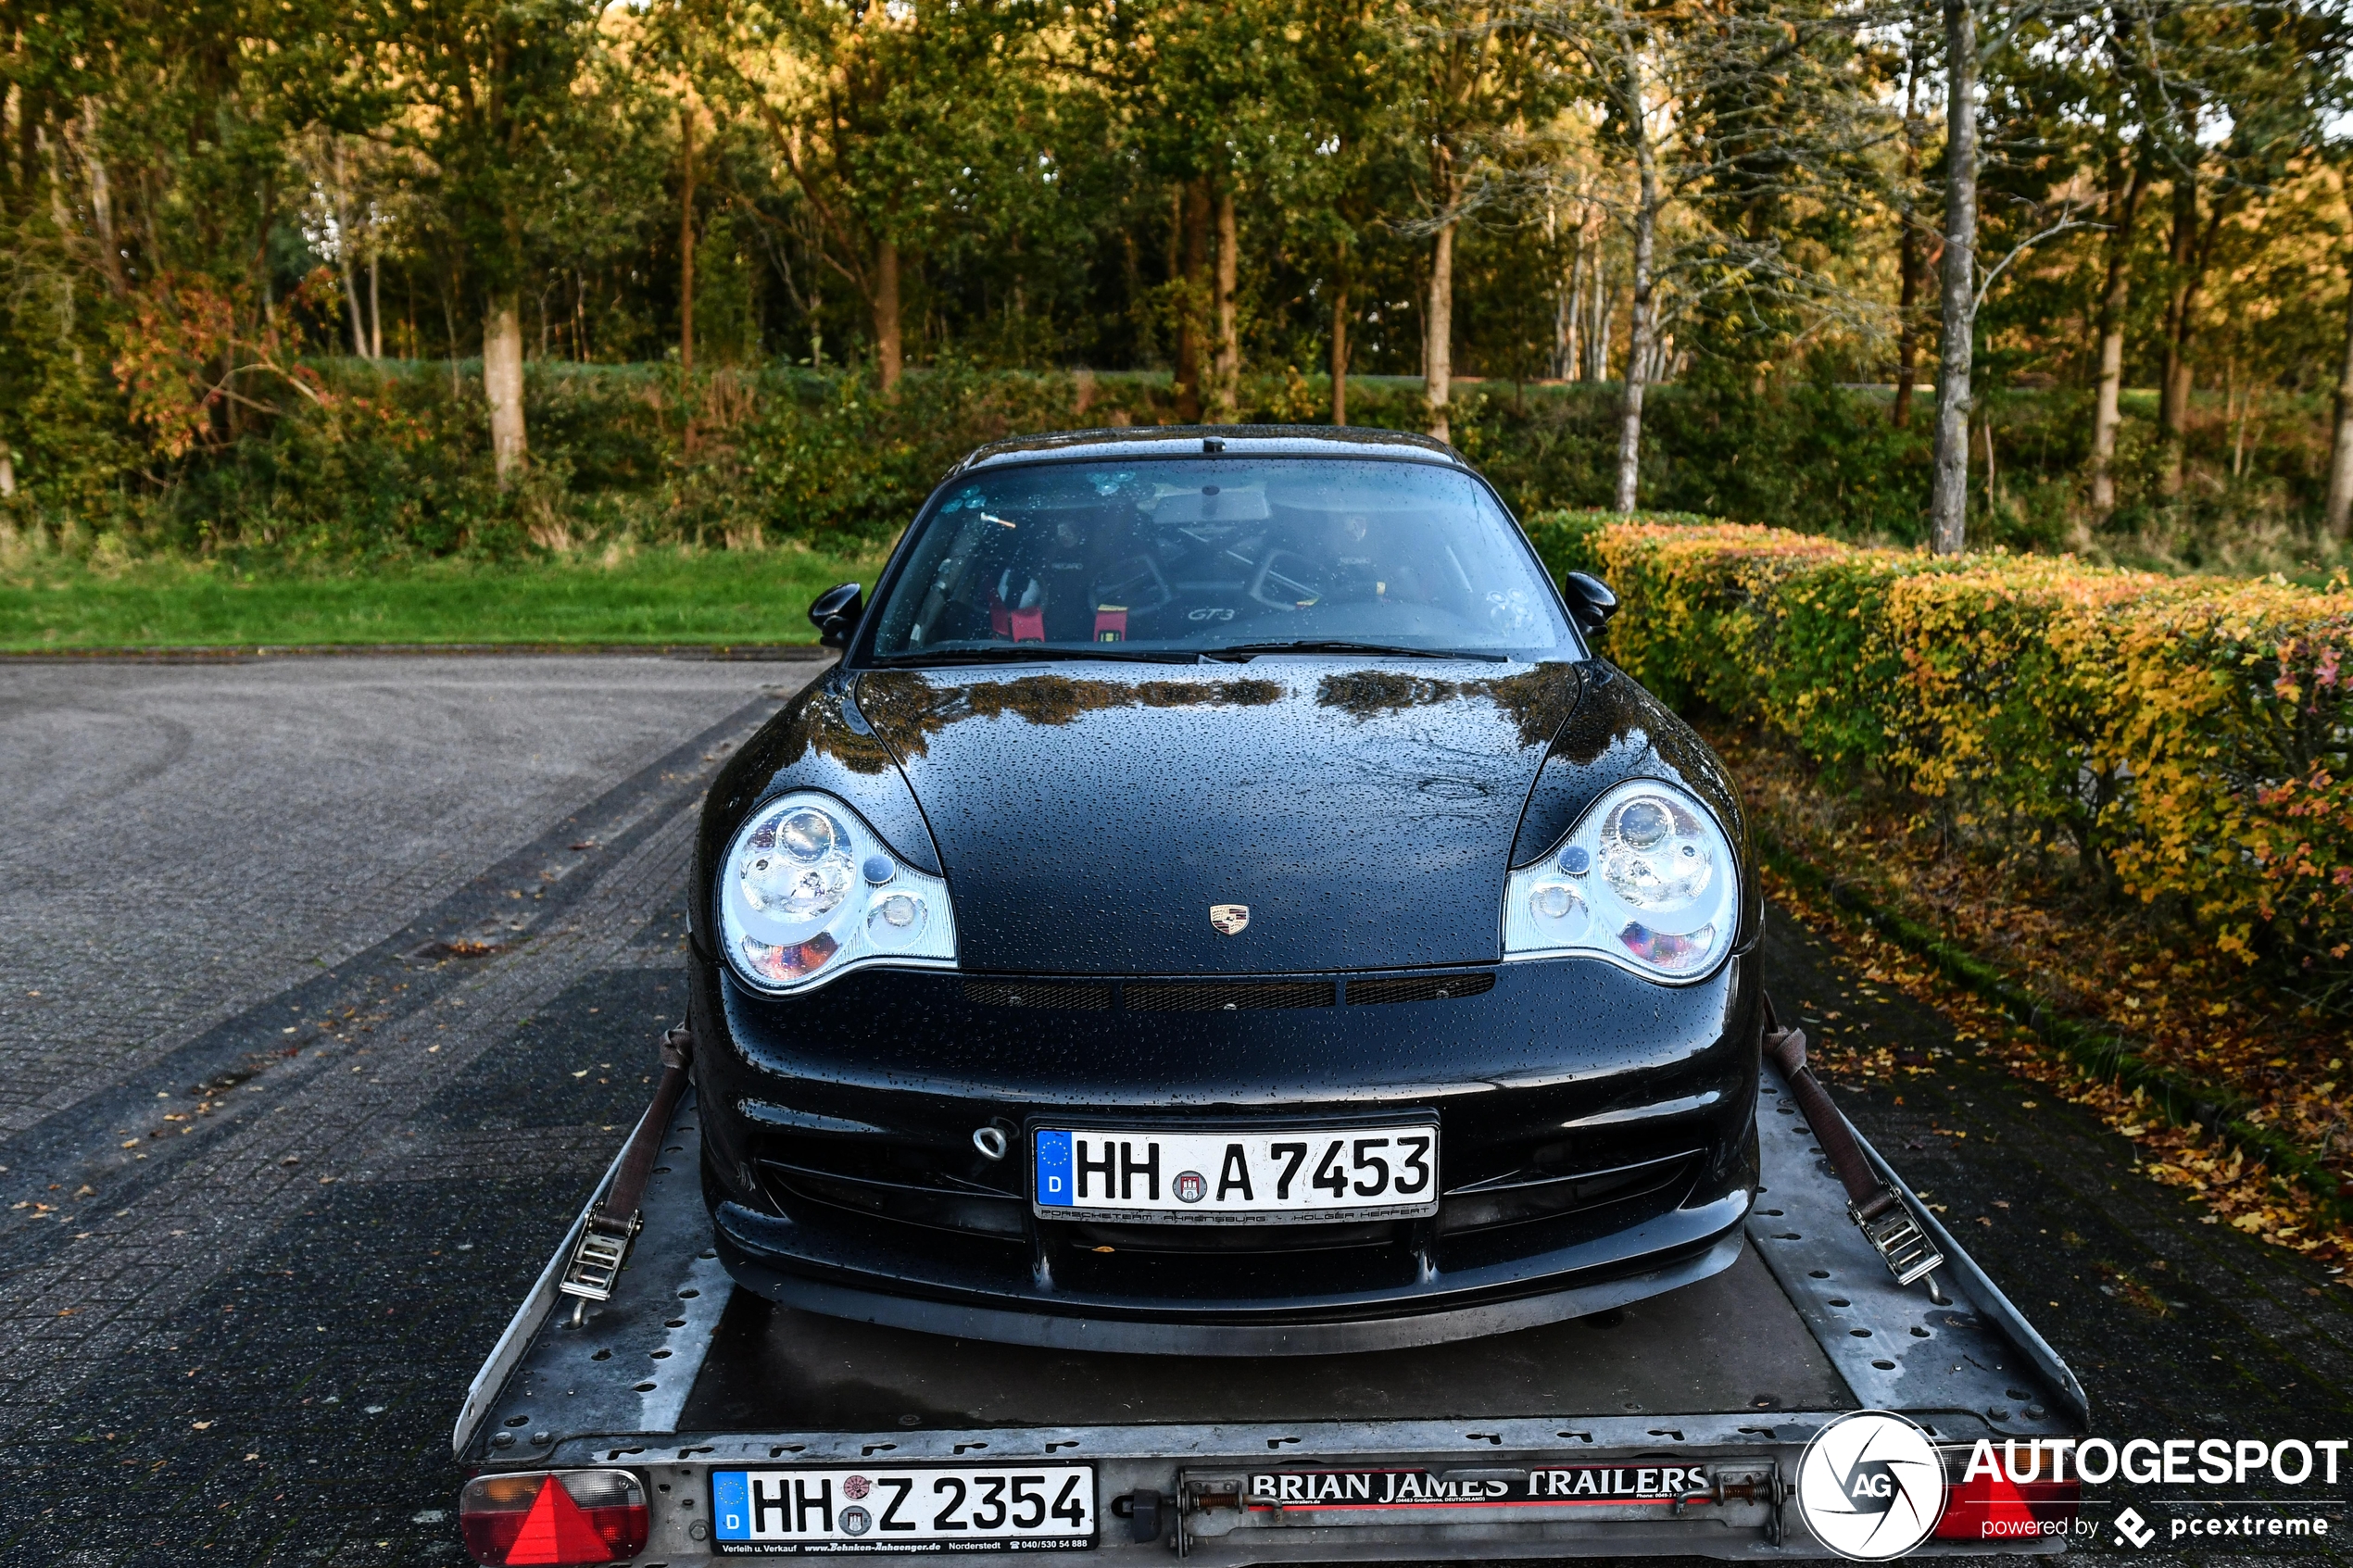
x=1230, y=919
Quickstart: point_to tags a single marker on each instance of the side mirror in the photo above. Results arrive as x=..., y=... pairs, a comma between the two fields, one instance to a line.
x=1591, y=604
x=835, y=613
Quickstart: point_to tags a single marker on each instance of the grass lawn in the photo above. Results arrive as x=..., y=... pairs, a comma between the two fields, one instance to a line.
x=655, y=596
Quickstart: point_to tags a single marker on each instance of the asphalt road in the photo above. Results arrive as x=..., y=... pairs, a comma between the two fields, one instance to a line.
x=327, y=985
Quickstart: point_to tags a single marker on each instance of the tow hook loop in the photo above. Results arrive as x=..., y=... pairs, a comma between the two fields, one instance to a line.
x=1142, y=1510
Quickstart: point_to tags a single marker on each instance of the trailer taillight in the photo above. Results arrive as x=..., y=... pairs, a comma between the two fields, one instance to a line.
x=559, y=1518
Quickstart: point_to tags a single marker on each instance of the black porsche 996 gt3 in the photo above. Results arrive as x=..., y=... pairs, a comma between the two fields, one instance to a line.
x=1219, y=904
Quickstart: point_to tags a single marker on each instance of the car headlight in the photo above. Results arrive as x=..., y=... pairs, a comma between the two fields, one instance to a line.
x=808, y=891
x=1646, y=879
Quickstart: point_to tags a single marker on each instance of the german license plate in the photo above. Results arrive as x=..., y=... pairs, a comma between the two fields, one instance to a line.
x=1351, y=1173
x=1007, y=1508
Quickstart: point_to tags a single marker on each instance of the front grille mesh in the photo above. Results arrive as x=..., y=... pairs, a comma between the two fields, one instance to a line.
x=1420, y=989
x=1075, y=995
x=1218, y=996
x=1178, y=996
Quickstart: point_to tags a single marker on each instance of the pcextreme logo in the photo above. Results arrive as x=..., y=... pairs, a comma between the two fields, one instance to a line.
x=1870, y=1486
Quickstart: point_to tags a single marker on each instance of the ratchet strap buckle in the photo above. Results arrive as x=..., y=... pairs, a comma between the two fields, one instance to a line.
x=1907, y=1252
x=597, y=1258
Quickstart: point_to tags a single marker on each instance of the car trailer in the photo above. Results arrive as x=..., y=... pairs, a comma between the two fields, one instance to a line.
x=682, y=1421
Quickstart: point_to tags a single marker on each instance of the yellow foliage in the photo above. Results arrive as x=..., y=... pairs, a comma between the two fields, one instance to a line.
x=2186, y=736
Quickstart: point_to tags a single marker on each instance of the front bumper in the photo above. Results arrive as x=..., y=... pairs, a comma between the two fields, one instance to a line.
x=1597, y=1146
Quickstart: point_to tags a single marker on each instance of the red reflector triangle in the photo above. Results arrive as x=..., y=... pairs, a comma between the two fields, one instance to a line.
x=555, y=1531
x=1985, y=1502
x=2004, y=1503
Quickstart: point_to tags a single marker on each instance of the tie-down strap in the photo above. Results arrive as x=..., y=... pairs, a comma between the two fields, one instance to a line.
x=1875, y=1206
x=603, y=1248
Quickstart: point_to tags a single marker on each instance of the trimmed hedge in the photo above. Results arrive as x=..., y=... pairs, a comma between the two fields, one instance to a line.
x=2184, y=739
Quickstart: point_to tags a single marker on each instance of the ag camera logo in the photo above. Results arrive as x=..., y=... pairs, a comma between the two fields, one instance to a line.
x=1870, y=1486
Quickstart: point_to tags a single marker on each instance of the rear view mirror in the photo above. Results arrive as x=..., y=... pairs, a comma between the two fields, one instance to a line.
x=1591, y=604
x=835, y=613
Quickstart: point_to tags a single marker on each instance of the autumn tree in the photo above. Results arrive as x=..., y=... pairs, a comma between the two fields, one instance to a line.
x=890, y=121
x=1213, y=101
x=483, y=90
x=1471, y=83
x=1343, y=154
x=1737, y=126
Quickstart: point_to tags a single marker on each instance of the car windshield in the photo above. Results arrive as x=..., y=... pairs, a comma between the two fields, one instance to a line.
x=1198, y=556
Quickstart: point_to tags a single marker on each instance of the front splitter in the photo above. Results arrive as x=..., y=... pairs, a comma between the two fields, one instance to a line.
x=1126, y=1336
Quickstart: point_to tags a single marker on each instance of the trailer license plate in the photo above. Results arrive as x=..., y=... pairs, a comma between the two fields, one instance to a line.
x=1336, y=1172
x=1009, y=1508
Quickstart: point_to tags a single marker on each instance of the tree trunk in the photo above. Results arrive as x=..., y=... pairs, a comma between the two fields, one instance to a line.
x=1948, y=498
x=102, y=203
x=375, y=306
x=2230, y=406
x=1908, y=267
x=1604, y=304
x=1226, y=393
x=1568, y=346
x=1907, y=250
x=351, y=299
x=1340, y=353
x=1639, y=327
x=889, y=342
x=343, y=255
x=1908, y=330
x=502, y=384
x=31, y=107
x=449, y=325
x=2181, y=377
x=2124, y=206
x=1638, y=331
x=8, y=473
x=1193, y=213
x=1438, y=353
x=2173, y=379
x=1564, y=296
x=2340, y=503
x=686, y=252
x=2179, y=254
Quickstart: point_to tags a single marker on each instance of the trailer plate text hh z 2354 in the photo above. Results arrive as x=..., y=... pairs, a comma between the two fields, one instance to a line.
x=966, y=1508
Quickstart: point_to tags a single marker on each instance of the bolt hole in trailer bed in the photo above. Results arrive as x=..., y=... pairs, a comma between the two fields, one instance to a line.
x=684, y=1422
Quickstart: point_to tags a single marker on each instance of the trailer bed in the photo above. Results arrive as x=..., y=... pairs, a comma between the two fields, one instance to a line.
x=680, y=1375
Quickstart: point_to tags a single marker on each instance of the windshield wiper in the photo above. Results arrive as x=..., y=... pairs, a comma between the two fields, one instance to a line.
x=1031, y=653
x=1242, y=651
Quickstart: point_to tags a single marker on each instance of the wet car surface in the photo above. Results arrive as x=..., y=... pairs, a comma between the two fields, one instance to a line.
x=1134, y=872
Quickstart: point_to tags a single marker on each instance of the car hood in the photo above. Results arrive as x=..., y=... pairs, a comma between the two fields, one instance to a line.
x=1089, y=817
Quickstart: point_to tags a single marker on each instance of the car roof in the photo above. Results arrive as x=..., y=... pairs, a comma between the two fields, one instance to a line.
x=1269, y=441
